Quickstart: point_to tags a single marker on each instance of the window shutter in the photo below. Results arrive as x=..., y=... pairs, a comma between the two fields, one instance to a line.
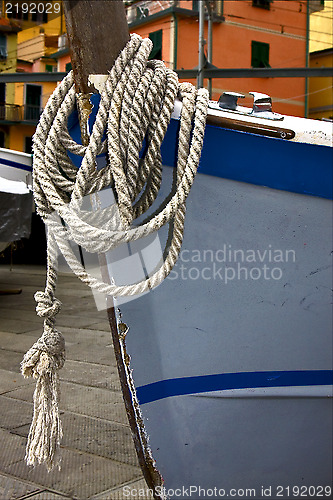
x=3, y=47
x=260, y=55
x=156, y=38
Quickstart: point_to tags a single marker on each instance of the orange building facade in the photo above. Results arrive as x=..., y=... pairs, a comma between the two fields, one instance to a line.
x=245, y=34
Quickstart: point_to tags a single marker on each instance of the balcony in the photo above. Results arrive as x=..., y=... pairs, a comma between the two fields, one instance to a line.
x=145, y=8
x=141, y=11
x=13, y=113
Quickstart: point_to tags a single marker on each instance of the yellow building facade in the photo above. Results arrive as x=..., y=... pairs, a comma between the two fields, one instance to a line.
x=29, y=50
x=321, y=55
x=321, y=88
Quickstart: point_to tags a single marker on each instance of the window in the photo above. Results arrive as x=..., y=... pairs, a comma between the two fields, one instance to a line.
x=48, y=68
x=32, y=102
x=28, y=145
x=316, y=5
x=3, y=47
x=2, y=93
x=39, y=17
x=263, y=4
x=195, y=5
x=156, y=38
x=259, y=55
x=68, y=67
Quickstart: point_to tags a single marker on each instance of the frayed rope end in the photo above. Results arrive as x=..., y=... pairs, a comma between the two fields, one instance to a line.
x=43, y=362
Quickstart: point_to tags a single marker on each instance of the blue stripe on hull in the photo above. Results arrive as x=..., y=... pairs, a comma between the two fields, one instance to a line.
x=227, y=381
x=264, y=161
x=241, y=156
x=14, y=164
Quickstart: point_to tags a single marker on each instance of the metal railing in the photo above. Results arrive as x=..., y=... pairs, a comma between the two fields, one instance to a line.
x=144, y=8
x=16, y=113
x=31, y=113
x=10, y=113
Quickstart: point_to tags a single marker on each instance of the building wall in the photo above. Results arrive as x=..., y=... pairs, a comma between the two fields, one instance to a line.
x=17, y=136
x=33, y=44
x=321, y=91
x=62, y=61
x=9, y=65
x=54, y=26
x=31, y=49
x=283, y=27
x=321, y=28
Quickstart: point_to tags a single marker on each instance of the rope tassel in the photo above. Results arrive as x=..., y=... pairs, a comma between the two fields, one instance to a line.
x=43, y=362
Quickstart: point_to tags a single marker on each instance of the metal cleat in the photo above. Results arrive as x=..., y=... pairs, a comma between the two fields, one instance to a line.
x=261, y=102
x=262, y=107
x=228, y=100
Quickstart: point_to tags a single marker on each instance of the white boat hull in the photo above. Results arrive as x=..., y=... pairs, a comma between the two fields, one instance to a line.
x=229, y=384
x=216, y=315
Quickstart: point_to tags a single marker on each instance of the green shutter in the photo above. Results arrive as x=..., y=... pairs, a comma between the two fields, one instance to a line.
x=259, y=55
x=68, y=67
x=156, y=38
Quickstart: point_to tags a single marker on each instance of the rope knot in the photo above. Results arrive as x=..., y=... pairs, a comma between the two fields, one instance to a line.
x=46, y=355
x=47, y=307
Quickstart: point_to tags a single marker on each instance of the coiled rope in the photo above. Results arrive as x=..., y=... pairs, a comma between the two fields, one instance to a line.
x=136, y=105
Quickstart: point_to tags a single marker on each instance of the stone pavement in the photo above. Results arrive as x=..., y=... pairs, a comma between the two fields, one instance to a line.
x=98, y=453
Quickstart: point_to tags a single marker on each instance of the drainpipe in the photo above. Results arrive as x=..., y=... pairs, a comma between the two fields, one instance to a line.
x=306, y=100
x=210, y=44
x=201, y=44
x=175, y=40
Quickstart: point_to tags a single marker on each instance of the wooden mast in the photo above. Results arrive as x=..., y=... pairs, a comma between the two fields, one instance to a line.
x=97, y=32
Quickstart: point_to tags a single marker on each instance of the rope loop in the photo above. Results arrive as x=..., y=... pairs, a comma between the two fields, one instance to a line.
x=135, y=106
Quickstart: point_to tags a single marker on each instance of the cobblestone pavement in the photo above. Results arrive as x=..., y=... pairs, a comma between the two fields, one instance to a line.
x=98, y=453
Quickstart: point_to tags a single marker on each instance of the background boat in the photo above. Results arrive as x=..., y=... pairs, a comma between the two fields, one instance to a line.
x=15, y=196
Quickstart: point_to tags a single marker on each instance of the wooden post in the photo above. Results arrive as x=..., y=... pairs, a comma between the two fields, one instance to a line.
x=97, y=32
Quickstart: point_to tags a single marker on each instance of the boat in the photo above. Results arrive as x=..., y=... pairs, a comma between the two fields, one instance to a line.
x=227, y=365
x=15, y=196
x=15, y=165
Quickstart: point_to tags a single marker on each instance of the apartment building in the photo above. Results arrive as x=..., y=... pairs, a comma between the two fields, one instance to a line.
x=32, y=38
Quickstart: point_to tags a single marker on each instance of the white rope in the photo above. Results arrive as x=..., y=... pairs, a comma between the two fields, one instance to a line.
x=136, y=104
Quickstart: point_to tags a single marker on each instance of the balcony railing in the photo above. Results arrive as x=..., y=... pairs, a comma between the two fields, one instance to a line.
x=16, y=113
x=31, y=113
x=138, y=11
x=10, y=113
x=144, y=8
